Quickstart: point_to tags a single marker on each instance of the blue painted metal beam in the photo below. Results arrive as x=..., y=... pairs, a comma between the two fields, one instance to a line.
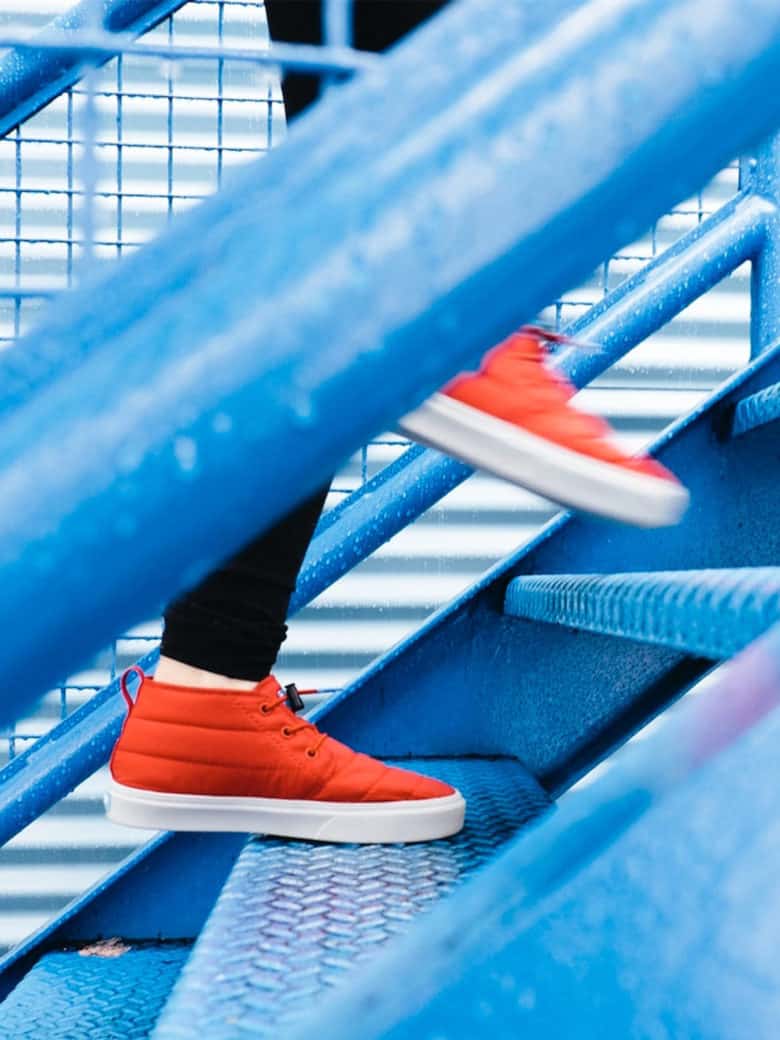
x=396, y=496
x=469, y=968
x=756, y=410
x=260, y=364
x=713, y=613
x=30, y=79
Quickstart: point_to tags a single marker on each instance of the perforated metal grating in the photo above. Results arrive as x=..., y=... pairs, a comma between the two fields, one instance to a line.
x=295, y=917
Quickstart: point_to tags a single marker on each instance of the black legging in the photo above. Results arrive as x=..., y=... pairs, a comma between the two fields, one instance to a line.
x=233, y=623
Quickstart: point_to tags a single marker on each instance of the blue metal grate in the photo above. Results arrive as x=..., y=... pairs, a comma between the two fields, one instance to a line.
x=106, y=991
x=295, y=917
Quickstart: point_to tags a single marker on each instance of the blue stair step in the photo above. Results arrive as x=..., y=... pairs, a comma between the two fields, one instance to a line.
x=756, y=410
x=644, y=907
x=295, y=917
x=712, y=613
x=105, y=991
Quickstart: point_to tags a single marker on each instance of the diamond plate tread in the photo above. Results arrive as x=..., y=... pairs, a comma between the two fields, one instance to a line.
x=295, y=917
x=757, y=410
x=107, y=991
x=714, y=613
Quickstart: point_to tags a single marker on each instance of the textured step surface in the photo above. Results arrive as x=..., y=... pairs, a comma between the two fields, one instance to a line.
x=671, y=934
x=108, y=991
x=713, y=613
x=643, y=907
x=294, y=917
x=757, y=410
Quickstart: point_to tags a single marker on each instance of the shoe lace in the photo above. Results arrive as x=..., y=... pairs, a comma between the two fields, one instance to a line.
x=301, y=725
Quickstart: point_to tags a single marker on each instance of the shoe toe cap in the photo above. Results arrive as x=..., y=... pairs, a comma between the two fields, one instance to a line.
x=401, y=785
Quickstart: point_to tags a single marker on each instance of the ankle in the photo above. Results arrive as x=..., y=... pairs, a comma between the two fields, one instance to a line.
x=176, y=673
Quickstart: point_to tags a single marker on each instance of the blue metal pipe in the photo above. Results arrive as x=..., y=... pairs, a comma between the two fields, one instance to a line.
x=396, y=496
x=30, y=79
x=104, y=45
x=765, y=274
x=317, y=322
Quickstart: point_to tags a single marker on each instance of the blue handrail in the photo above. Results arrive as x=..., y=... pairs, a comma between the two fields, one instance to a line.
x=30, y=79
x=385, y=255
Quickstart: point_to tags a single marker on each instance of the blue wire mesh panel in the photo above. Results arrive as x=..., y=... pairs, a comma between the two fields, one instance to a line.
x=108, y=991
x=295, y=917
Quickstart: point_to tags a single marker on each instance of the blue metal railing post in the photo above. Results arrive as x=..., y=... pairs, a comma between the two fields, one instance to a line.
x=765, y=275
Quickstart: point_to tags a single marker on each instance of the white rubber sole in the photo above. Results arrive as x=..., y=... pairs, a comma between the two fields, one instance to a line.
x=362, y=823
x=539, y=465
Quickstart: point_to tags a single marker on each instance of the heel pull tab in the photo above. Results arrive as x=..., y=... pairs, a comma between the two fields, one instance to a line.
x=135, y=669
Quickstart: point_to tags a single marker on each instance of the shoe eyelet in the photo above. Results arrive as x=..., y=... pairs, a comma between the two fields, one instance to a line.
x=286, y=731
x=311, y=752
x=265, y=709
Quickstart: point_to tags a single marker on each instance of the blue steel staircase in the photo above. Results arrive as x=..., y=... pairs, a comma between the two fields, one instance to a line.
x=644, y=902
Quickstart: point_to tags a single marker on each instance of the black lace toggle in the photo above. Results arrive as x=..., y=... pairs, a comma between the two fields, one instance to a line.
x=294, y=699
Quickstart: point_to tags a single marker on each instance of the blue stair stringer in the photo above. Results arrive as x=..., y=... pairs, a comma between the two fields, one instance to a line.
x=295, y=917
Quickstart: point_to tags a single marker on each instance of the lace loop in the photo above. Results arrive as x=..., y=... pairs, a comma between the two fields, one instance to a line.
x=300, y=726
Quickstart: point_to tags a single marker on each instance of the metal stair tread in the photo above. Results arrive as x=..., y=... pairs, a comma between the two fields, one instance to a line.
x=710, y=612
x=107, y=991
x=756, y=410
x=294, y=917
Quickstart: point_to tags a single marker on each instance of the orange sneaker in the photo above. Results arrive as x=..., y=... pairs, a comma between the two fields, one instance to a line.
x=515, y=419
x=225, y=760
